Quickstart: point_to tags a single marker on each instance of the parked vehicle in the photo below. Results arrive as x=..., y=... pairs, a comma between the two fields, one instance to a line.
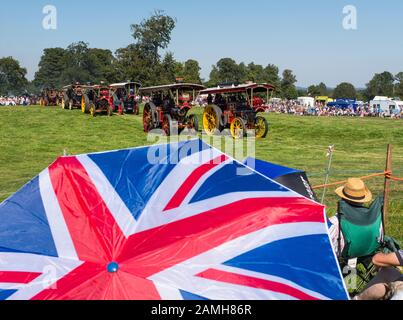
x=323, y=100
x=97, y=99
x=235, y=107
x=307, y=102
x=49, y=97
x=386, y=106
x=72, y=96
x=125, y=97
x=169, y=106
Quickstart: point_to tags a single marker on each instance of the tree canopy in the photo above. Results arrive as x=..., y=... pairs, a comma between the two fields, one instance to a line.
x=226, y=71
x=318, y=90
x=345, y=90
x=191, y=71
x=51, y=66
x=12, y=77
x=288, y=88
x=382, y=84
x=76, y=63
x=399, y=85
x=154, y=33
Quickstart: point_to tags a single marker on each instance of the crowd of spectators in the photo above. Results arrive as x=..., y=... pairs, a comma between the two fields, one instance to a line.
x=320, y=110
x=15, y=101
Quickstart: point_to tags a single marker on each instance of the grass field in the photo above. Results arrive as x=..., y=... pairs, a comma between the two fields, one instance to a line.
x=32, y=137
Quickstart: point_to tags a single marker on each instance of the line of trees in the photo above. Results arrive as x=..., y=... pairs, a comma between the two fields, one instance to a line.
x=382, y=84
x=142, y=61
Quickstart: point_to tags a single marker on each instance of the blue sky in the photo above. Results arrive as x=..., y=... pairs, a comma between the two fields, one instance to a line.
x=305, y=36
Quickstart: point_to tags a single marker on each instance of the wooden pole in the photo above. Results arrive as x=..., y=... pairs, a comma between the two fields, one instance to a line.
x=387, y=183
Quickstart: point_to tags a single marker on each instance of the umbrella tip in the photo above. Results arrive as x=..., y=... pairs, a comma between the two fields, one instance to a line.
x=112, y=267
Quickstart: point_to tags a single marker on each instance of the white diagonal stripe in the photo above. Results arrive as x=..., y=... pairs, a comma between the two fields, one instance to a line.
x=264, y=276
x=112, y=199
x=52, y=269
x=168, y=293
x=60, y=233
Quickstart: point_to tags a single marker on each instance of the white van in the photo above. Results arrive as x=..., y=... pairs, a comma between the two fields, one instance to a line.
x=387, y=106
x=308, y=102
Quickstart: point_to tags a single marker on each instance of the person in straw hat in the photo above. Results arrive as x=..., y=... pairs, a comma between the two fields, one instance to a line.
x=356, y=194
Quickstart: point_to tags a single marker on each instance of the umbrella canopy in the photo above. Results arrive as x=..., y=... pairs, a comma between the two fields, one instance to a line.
x=293, y=179
x=178, y=221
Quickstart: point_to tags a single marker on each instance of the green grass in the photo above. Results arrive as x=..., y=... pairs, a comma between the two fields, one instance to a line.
x=32, y=138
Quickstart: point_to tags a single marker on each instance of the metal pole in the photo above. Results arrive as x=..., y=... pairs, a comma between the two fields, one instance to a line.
x=330, y=155
x=267, y=97
x=387, y=183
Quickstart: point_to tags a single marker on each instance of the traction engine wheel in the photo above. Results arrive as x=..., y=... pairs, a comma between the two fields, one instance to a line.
x=238, y=128
x=147, y=119
x=261, y=127
x=211, y=121
x=193, y=123
x=93, y=111
x=83, y=104
x=167, y=125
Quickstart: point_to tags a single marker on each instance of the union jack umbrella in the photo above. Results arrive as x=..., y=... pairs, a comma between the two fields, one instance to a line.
x=178, y=221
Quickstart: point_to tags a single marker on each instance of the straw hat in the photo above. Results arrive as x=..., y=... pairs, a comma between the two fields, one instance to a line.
x=355, y=190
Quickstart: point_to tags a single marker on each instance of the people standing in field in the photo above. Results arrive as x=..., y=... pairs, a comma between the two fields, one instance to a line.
x=14, y=101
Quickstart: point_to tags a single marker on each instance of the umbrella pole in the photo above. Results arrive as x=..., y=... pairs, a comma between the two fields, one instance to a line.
x=330, y=155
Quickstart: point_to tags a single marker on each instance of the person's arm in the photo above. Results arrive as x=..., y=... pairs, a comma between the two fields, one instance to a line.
x=387, y=260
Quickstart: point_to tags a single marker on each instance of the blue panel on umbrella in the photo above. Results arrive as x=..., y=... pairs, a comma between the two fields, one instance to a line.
x=24, y=226
x=4, y=294
x=307, y=261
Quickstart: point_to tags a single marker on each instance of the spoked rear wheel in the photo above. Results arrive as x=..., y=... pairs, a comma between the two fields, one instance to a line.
x=83, y=104
x=211, y=121
x=261, y=127
x=93, y=112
